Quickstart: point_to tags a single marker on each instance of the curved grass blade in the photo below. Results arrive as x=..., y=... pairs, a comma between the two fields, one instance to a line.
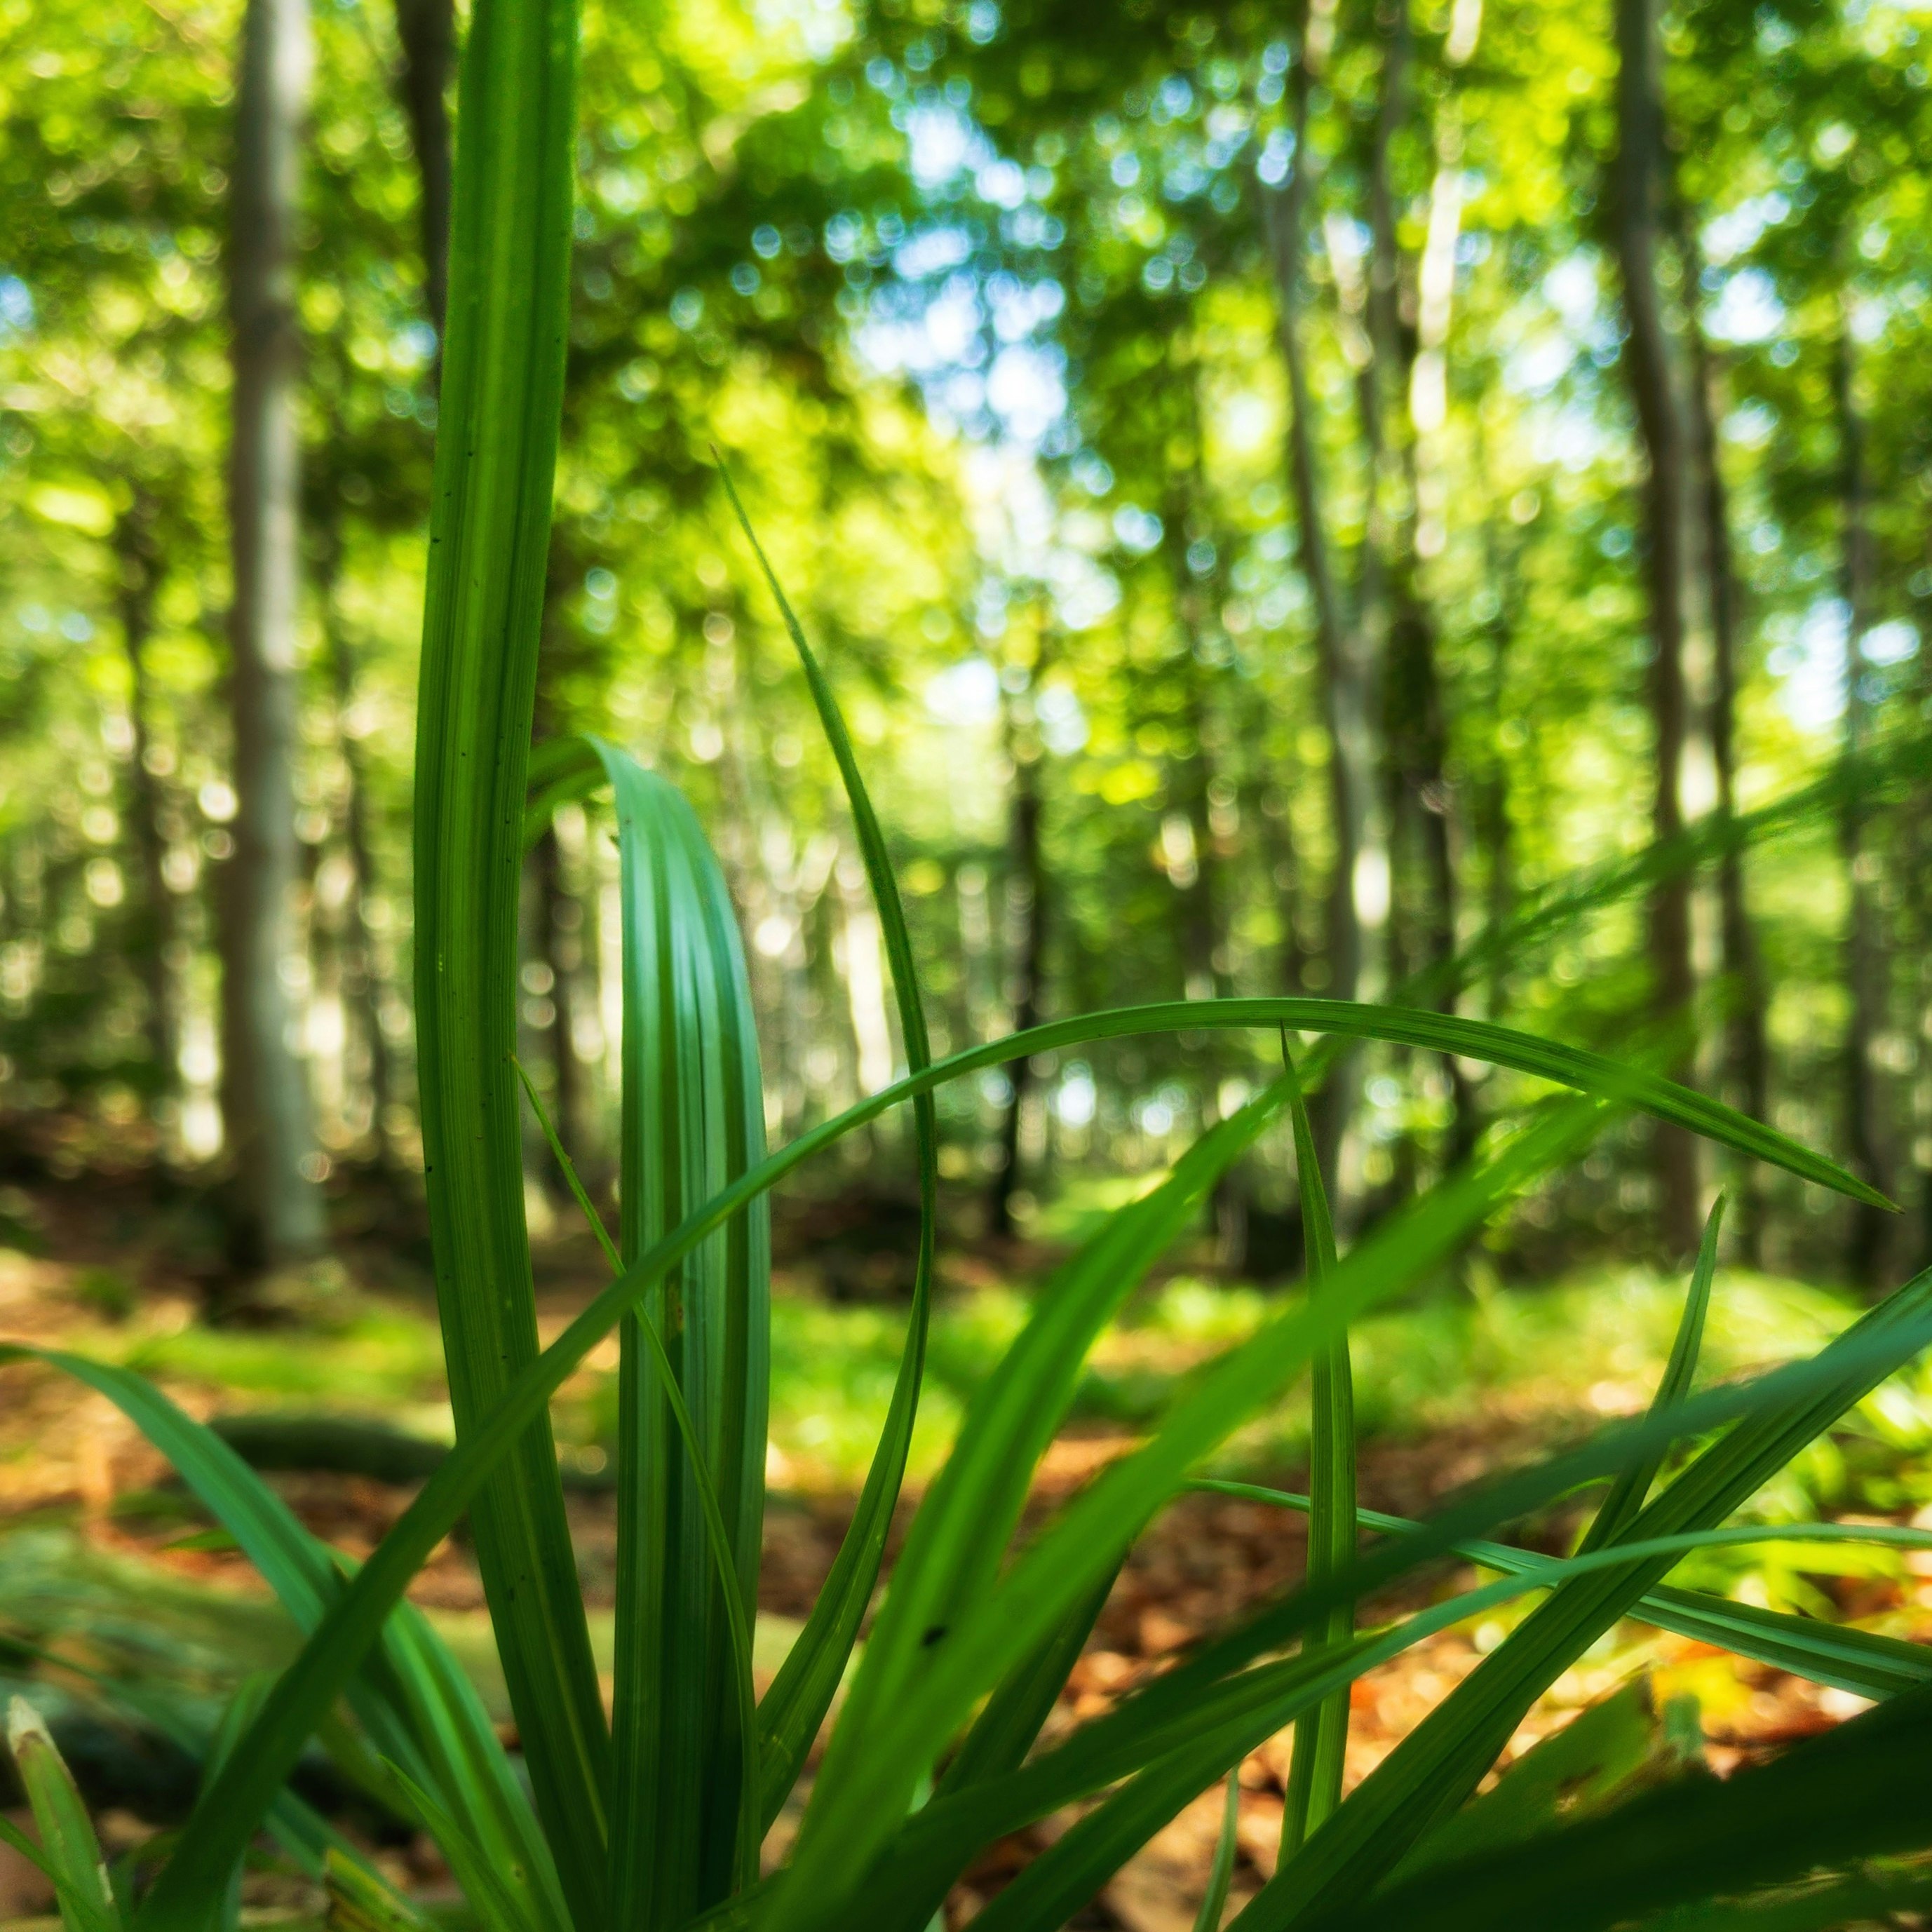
x=335, y=1650
x=411, y=1696
x=1856, y=1793
x=921, y=1689
x=1620, y=1508
x=1435, y=1767
x=70, y=1852
x=1839, y=1654
x=1169, y=1763
x=1221, y=1872
x=359, y=1900
x=1593, y=1762
x=723, y=1559
x=1005, y=1731
x=1321, y=1738
x=954, y=1550
x=495, y=455
x=795, y=1706
x=483, y=1887
x=684, y=1831
x=302, y=1695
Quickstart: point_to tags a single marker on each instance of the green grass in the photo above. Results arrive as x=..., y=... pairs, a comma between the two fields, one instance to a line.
x=650, y=1821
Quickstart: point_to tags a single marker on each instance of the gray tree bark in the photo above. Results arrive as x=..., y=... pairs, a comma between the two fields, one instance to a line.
x=1864, y=966
x=265, y=1097
x=1344, y=669
x=1638, y=201
x=138, y=558
x=1026, y=924
x=1747, y=1051
x=426, y=30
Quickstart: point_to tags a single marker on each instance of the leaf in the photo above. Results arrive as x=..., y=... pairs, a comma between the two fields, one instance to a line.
x=1169, y=1760
x=694, y=1387
x=1853, y=1659
x=69, y=1852
x=360, y=1901
x=1321, y=1738
x=496, y=452
x=1627, y=1493
x=1857, y=1793
x=335, y=1651
x=919, y=1690
x=489, y=1892
x=802, y=1693
x=953, y=1553
x=411, y=1696
x=1587, y=1765
x=1434, y=1769
x=1221, y=1872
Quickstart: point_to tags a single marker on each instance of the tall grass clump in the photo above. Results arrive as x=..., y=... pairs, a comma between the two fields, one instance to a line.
x=653, y=1818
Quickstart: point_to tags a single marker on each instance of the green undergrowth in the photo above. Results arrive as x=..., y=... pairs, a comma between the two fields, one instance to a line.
x=1521, y=1359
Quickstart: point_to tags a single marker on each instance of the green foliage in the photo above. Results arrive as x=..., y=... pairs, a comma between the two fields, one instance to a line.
x=935, y=1751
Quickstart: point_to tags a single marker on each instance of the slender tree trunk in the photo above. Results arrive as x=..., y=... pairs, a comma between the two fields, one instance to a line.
x=1747, y=1053
x=138, y=559
x=1357, y=882
x=560, y=945
x=1401, y=395
x=265, y=1099
x=1638, y=199
x=427, y=32
x=1026, y=924
x=1865, y=965
x=364, y=983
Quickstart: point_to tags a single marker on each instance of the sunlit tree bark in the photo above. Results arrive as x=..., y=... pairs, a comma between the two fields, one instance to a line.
x=1649, y=353
x=265, y=1097
x=1864, y=967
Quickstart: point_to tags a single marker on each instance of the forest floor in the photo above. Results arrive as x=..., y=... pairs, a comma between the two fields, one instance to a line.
x=1469, y=1381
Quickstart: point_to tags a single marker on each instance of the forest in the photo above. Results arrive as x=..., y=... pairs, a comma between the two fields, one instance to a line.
x=965, y=961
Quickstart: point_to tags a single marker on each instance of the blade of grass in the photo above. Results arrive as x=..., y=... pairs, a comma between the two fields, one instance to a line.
x=361, y=1901
x=801, y=1694
x=411, y=1696
x=495, y=1902
x=694, y=1376
x=495, y=455
x=302, y=1693
x=334, y=1652
x=1169, y=1763
x=1221, y=1871
x=1434, y=1768
x=953, y=1551
x=1851, y=1659
x=1005, y=1731
x=69, y=1852
x=724, y=1558
x=1321, y=1738
x=921, y=1687
x=1620, y=1508
x=1856, y=1793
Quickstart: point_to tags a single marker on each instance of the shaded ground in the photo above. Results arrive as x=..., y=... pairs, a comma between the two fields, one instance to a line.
x=89, y=1515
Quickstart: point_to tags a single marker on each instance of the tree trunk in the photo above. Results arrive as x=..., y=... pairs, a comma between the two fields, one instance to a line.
x=1638, y=200
x=1026, y=925
x=1747, y=1053
x=1864, y=953
x=363, y=973
x=1357, y=883
x=559, y=937
x=1422, y=909
x=426, y=30
x=139, y=559
x=265, y=1100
